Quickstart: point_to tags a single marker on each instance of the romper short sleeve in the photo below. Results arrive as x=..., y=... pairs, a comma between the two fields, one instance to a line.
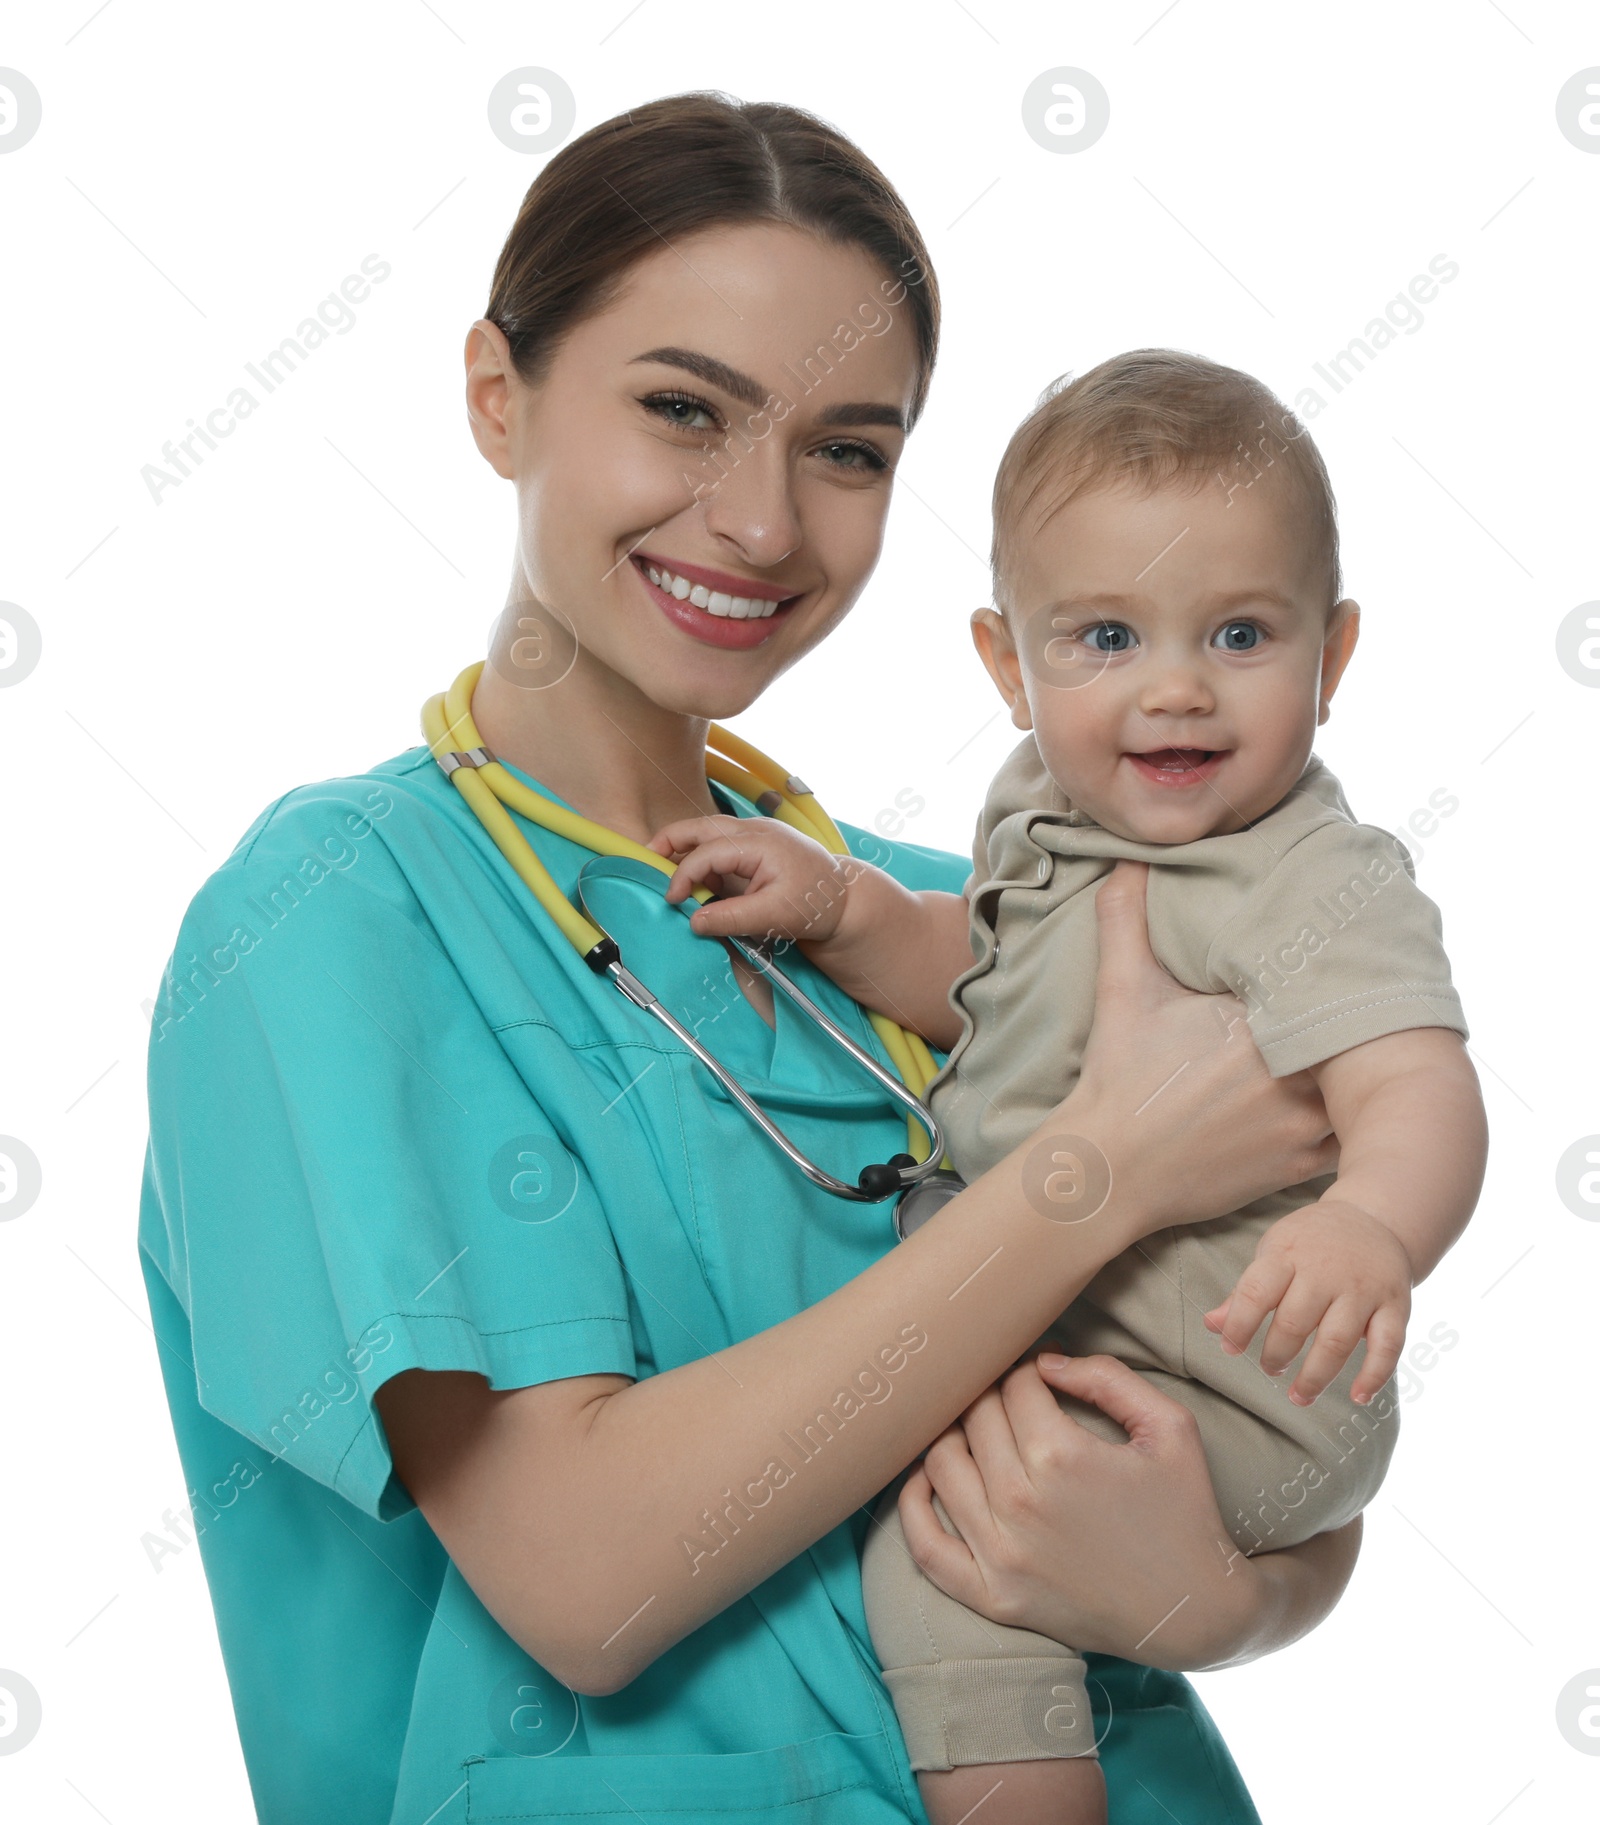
x=1337, y=945
x=347, y=1176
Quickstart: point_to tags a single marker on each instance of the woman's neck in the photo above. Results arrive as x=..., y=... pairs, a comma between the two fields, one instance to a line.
x=597, y=742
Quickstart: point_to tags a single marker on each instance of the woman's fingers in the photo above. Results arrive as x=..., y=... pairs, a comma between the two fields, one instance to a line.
x=1127, y=964
x=1042, y=1438
x=985, y=1434
x=1119, y=1392
x=952, y=1471
x=1173, y=1089
x=946, y=1559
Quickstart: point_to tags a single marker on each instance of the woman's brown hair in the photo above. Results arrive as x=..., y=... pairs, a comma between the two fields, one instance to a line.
x=647, y=178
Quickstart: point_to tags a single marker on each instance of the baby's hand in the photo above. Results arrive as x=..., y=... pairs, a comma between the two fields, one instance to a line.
x=782, y=884
x=1332, y=1269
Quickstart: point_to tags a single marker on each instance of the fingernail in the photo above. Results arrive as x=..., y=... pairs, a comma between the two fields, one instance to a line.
x=1300, y=1400
x=1053, y=1357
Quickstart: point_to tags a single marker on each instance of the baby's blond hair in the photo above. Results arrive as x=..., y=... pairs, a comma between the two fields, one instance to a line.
x=1153, y=416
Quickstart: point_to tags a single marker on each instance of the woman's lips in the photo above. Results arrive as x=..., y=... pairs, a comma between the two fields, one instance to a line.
x=714, y=630
x=1178, y=766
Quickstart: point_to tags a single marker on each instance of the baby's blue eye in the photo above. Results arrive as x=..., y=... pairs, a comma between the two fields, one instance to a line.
x=1109, y=637
x=1238, y=637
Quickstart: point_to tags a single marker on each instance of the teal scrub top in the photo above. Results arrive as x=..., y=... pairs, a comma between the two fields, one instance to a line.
x=396, y=1123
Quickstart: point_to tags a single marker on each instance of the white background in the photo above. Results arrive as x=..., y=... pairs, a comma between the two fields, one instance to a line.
x=1270, y=179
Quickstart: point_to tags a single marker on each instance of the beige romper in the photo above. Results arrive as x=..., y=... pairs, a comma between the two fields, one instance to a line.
x=1316, y=923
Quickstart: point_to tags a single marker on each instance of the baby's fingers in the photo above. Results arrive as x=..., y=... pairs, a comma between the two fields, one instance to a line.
x=703, y=866
x=1260, y=1287
x=686, y=833
x=1339, y=1330
x=1386, y=1336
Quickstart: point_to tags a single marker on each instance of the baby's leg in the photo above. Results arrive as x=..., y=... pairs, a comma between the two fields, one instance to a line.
x=1020, y=1793
x=1281, y=1472
x=991, y=1714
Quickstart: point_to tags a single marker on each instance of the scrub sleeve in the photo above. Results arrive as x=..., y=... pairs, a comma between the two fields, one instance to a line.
x=393, y=1127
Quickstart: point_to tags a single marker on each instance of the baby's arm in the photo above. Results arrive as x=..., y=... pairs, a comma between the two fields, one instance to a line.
x=1412, y=1136
x=1412, y=1147
x=888, y=947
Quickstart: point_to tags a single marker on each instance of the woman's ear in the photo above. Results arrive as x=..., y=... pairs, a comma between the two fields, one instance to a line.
x=489, y=371
x=992, y=637
x=1343, y=631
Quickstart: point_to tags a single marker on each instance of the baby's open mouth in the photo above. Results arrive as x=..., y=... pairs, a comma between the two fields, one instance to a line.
x=1178, y=766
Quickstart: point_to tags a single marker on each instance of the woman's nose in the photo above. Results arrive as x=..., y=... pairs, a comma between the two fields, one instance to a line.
x=750, y=508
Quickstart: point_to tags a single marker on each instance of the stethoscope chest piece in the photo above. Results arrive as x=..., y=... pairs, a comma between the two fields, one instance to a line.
x=925, y=1199
x=492, y=793
x=876, y=1182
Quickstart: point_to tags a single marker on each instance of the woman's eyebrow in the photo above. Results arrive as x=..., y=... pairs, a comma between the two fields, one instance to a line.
x=715, y=373
x=751, y=392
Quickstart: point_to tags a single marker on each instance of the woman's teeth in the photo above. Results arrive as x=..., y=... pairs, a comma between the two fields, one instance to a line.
x=713, y=601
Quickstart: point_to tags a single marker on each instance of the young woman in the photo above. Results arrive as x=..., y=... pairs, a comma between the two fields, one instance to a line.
x=531, y=1401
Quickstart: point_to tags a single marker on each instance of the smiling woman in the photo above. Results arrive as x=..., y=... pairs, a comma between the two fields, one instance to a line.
x=465, y=1595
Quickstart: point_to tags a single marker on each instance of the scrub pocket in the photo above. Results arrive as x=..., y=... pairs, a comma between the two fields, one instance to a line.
x=834, y=1777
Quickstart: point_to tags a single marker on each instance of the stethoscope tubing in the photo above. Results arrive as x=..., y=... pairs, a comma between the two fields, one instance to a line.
x=457, y=747
x=642, y=996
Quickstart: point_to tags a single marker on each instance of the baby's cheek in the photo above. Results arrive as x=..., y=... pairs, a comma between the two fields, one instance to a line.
x=1078, y=745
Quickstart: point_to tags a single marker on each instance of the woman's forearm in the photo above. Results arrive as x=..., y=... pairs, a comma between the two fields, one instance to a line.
x=603, y=1538
x=600, y=1521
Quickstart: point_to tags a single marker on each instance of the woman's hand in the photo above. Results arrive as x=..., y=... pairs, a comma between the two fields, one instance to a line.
x=1173, y=1090
x=1116, y=1548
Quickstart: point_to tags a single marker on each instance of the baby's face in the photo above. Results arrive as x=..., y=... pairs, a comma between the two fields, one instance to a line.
x=1173, y=654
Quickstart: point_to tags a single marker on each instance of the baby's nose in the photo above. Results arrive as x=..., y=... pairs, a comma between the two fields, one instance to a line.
x=1175, y=689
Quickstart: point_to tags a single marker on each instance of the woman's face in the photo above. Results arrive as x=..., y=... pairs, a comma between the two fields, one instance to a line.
x=703, y=473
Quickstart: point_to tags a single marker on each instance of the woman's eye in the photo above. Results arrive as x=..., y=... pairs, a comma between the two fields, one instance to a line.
x=1109, y=637
x=683, y=410
x=1238, y=637
x=846, y=455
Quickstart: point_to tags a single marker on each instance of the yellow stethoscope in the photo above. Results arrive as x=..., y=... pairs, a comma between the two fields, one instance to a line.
x=489, y=789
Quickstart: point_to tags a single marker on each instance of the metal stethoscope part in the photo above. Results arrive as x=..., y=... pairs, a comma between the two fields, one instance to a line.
x=921, y=1186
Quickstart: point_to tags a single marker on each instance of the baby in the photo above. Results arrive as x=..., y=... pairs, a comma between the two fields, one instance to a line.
x=1169, y=630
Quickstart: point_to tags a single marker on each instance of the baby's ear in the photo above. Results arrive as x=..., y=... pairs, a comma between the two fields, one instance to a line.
x=991, y=635
x=1344, y=629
